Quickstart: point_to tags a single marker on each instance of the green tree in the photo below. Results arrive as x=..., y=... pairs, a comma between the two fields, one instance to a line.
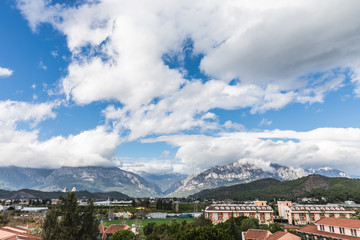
x=205, y=233
x=149, y=228
x=69, y=221
x=123, y=235
x=248, y=223
x=89, y=223
x=234, y=230
x=275, y=227
x=159, y=204
x=51, y=226
x=202, y=222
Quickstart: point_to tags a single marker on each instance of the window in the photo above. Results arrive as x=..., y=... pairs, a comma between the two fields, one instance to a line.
x=322, y=228
x=353, y=232
x=331, y=228
x=342, y=230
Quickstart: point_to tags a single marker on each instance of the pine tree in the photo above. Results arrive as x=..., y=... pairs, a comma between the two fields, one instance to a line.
x=51, y=228
x=69, y=221
x=90, y=225
x=234, y=230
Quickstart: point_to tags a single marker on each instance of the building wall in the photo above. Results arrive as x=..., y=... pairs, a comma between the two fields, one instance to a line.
x=260, y=203
x=306, y=217
x=222, y=216
x=282, y=207
x=347, y=231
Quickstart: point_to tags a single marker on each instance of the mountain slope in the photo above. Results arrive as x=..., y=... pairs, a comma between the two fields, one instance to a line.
x=100, y=179
x=17, y=177
x=230, y=174
x=164, y=180
x=241, y=172
x=328, y=172
x=334, y=189
x=95, y=179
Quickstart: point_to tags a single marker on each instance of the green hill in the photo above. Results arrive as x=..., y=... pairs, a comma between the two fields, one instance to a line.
x=334, y=189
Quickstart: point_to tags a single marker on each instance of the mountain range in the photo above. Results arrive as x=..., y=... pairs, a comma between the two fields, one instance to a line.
x=107, y=179
x=240, y=172
x=94, y=179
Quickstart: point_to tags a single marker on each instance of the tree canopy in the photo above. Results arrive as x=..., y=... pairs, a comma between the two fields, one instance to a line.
x=68, y=220
x=123, y=235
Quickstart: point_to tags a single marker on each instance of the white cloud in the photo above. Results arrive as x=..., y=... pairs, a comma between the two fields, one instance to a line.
x=54, y=53
x=12, y=112
x=236, y=126
x=153, y=166
x=272, y=48
x=89, y=148
x=5, y=72
x=42, y=65
x=23, y=148
x=265, y=122
x=334, y=147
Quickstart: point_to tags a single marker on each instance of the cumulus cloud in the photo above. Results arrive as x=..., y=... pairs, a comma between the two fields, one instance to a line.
x=334, y=147
x=23, y=148
x=236, y=126
x=272, y=49
x=89, y=148
x=276, y=52
x=155, y=166
x=12, y=112
x=5, y=72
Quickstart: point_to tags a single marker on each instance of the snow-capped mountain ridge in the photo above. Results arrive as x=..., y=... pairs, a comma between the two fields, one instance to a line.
x=243, y=172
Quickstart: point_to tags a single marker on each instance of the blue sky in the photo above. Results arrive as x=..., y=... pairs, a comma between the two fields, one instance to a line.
x=179, y=87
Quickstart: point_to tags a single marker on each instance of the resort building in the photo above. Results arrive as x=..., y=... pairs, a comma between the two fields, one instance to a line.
x=331, y=229
x=221, y=212
x=304, y=214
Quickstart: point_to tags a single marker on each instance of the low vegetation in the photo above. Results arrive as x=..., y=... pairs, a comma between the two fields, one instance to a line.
x=202, y=229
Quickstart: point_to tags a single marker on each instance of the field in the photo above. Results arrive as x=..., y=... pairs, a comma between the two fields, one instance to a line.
x=143, y=222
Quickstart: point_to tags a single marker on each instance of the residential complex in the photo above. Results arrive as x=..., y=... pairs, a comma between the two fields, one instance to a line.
x=331, y=229
x=221, y=212
x=304, y=214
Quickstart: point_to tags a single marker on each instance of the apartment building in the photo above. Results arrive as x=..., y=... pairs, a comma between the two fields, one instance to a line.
x=331, y=229
x=299, y=214
x=221, y=212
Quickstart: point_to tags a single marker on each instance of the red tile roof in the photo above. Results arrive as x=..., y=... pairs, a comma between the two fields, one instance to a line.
x=313, y=229
x=117, y=227
x=276, y=235
x=257, y=234
x=10, y=233
x=283, y=236
x=340, y=222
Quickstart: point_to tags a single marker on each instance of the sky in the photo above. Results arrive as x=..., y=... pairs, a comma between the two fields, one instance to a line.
x=169, y=86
